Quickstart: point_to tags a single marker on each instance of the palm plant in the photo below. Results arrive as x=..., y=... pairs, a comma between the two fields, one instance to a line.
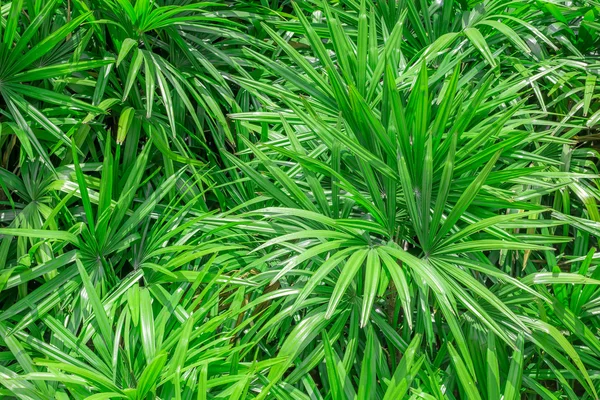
x=310, y=200
x=415, y=195
x=41, y=53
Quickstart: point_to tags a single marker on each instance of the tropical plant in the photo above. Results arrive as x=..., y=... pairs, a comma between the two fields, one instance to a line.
x=312, y=200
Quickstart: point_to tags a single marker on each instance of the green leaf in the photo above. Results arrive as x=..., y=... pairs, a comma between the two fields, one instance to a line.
x=405, y=372
x=479, y=42
x=371, y=284
x=346, y=277
x=514, y=378
x=127, y=45
x=96, y=303
x=466, y=380
x=149, y=378
x=147, y=327
x=125, y=120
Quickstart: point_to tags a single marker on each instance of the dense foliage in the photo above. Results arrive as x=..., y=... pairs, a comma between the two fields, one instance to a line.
x=264, y=199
